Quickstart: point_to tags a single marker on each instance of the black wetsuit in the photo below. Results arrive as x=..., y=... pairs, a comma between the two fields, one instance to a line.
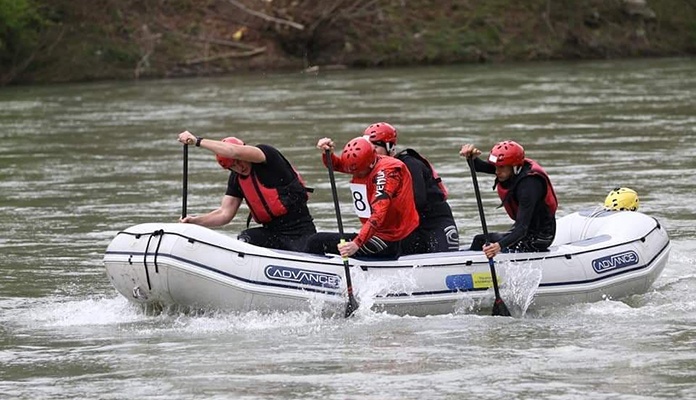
x=437, y=231
x=535, y=225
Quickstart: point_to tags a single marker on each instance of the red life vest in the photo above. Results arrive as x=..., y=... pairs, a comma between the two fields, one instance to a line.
x=266, y=203
x=401, y=216
x=511, y=205
x=436, y=177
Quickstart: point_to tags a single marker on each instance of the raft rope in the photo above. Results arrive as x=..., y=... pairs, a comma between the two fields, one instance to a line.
x=597, y=211
x=160, y=233
x=386, y=265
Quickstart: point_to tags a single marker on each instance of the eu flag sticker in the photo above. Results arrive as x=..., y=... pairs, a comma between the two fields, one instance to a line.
x=459, y=282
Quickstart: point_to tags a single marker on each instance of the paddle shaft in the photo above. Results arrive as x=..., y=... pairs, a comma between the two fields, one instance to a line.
x=334, y=192
x=185, y=183
x=352, y=302
x=498, y=300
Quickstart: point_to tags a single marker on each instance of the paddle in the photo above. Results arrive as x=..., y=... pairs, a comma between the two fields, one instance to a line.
x=499, y=307
x=185, y=183
x=352, y=302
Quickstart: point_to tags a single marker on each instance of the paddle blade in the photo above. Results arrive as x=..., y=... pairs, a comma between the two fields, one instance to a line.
x=351, y=306
x=499, y=308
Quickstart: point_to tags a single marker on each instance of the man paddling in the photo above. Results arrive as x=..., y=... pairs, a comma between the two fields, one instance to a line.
x=437, y=230
x=526, y=194
x=382, y=194
x=273, y=191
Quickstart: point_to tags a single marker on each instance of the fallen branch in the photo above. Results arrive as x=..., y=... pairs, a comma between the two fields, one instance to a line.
x=222, y=56
x=221, y=42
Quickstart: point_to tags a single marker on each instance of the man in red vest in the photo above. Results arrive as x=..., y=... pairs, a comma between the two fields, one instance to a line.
x=382, y=194
x=273, y=191
x=526, y=194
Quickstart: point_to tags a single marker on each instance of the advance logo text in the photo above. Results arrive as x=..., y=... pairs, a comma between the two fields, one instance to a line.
x=614, y=261
x=302, y=276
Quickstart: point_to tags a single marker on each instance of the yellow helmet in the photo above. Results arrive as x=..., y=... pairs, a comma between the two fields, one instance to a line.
x=622, y=199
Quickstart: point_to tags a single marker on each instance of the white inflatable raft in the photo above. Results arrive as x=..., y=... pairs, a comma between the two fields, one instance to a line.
x=594, y=256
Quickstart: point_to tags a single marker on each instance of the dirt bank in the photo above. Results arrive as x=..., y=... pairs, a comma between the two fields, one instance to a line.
x=136, y=39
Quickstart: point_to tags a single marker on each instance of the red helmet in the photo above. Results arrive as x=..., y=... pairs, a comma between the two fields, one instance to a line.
x=382, y=134
x=507, y=153
x=358, y=155
x=226, y=162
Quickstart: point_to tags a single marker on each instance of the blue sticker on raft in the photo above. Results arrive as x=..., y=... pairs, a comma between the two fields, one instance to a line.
x=475, y=281
x=459, y=282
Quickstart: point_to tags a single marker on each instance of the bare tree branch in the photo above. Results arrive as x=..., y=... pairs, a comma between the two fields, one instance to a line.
x=264, y=16
x=356, y=10
x=147, y=44
x=547, y=17
x=326, y=14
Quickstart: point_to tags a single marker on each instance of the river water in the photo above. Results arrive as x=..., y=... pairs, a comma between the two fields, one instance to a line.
x=80, y=162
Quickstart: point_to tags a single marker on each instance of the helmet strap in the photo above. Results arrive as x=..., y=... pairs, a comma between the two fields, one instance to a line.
x=516, y=169
x=391, y=148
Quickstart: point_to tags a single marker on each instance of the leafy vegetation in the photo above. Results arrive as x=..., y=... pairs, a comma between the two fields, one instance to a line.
x=21, y=26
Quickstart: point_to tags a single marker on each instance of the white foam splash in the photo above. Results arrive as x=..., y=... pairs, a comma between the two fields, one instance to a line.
x=57, y=312
x=521, y=280
x=373, y=286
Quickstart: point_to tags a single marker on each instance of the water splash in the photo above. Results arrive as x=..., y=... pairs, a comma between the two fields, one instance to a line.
x=521, y=280
x=55, y=312
x=470, y=305
x=370, y=287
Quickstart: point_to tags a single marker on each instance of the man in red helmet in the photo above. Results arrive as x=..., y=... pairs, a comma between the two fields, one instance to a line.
x=273, y=191
x=437, y=230
x=527, y=195
x=382, y=194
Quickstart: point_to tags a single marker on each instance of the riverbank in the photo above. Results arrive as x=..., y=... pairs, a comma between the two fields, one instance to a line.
x=81, y=41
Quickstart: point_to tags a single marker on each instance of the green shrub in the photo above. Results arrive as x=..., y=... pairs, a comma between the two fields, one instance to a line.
x=20, y=27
